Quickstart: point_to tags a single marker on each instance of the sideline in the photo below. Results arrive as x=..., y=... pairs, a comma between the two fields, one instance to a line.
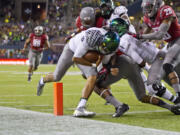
x=22, y=122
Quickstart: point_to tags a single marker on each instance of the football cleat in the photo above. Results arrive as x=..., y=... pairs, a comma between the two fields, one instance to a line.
x=29, y=78
x=107, y=103
x=177, y=101
x=121, y=110
x=82, y=112
x=175, y=109
x=40, y=88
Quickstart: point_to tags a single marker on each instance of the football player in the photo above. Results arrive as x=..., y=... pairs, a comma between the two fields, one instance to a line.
x=162, y=20
x=87, y=18
x=38, y=43
x=140, y=53
x=130, y=71
x=93, y=38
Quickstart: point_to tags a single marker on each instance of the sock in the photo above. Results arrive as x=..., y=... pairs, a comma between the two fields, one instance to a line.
x=169, y=96
x=82, y=103
x=176, y=87
x=30, y=74
x=41, y=81
x=113, y=101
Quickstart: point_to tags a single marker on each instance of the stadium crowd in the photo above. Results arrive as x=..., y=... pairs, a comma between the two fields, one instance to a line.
x=13, y=32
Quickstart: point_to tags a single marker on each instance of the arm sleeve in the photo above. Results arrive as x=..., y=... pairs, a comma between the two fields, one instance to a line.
x=157, y=35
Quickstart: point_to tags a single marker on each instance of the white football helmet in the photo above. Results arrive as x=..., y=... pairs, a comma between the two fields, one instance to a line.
x=120, y=10
x=150, y=7
x=38, y=30
x=87, y=16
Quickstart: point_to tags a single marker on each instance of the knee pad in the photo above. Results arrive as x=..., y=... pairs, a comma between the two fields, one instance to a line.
x=168, y=68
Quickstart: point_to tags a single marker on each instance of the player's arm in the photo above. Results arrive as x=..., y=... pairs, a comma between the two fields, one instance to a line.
x=46, y=45
x=158, y=35
x=27, y=42
x=147, y=30
x=78, y=56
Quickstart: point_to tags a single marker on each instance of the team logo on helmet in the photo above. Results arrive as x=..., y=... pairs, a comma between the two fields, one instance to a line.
x=109, y=43
x=119, y=25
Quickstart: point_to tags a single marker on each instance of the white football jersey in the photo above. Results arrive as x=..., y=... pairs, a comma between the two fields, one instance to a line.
x=85, y=41
x=138, y=50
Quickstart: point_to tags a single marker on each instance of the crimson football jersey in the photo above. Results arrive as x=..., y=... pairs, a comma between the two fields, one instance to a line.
x=163, y=13
x=100, y=21
x=37, y=42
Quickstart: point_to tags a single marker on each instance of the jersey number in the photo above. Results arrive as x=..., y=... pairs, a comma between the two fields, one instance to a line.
x=36, y=43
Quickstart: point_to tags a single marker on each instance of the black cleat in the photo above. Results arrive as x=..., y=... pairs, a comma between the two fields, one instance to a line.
x=175, y=109
x=177, y=101
x=29, y=78
x=121, y=110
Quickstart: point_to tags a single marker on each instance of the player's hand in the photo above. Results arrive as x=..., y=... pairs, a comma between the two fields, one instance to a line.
x=23, y=50
x=114, y=71
x=66, y=39
x=102, y=74
x=100, y=57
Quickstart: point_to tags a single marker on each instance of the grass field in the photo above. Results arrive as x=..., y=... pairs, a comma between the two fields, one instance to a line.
x=16, y=92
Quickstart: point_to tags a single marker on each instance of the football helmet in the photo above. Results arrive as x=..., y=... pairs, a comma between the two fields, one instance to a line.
x=109, y=43
x=119, y=25
x=150, y=7
x=38, y=30
x=87, y=16
x=120, y=10
x=106, y=7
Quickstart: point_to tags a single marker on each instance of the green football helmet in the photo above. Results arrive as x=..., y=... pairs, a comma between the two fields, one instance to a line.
x=109, y=43
x=106, y=7
x=119, y=25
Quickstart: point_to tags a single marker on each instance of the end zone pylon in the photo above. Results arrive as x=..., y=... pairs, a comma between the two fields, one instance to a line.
x=58, y=98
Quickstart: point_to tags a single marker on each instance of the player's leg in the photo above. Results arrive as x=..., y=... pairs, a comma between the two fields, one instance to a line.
x=38, y=60
x=158, y=90
x=64, y=62
x=168, y=65
x=90, y=73
x=31, y=57
x=136, y=82
x=154, y=73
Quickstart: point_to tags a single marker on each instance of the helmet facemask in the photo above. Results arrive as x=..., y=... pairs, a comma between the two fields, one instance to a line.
x=38, y=31
x=87, y=16
x=149, y=7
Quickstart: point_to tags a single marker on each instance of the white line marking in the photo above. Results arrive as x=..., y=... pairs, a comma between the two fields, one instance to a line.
x=22, y=122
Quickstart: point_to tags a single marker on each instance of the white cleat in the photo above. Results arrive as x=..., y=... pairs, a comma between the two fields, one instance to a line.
x=82, y=112
x=40, y=88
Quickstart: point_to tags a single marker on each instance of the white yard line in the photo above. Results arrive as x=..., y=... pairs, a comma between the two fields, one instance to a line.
x=22, y=122
x=18, y=72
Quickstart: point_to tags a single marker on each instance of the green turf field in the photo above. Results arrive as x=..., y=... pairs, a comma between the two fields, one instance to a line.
x=16, y=92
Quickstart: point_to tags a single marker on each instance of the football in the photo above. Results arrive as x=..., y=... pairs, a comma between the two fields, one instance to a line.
x=91, y=56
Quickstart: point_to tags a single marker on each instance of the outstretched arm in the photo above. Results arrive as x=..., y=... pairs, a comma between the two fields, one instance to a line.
x=158, y=35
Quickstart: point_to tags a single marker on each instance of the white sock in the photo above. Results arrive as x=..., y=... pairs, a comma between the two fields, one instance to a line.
x=176, y=87
x=42, y=81
x=82, y=103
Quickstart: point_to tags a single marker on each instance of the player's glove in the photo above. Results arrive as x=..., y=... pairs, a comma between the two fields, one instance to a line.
x=138, y=35
x=102, y=74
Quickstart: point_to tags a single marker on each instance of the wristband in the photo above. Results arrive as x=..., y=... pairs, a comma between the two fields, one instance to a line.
x=93, y=65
